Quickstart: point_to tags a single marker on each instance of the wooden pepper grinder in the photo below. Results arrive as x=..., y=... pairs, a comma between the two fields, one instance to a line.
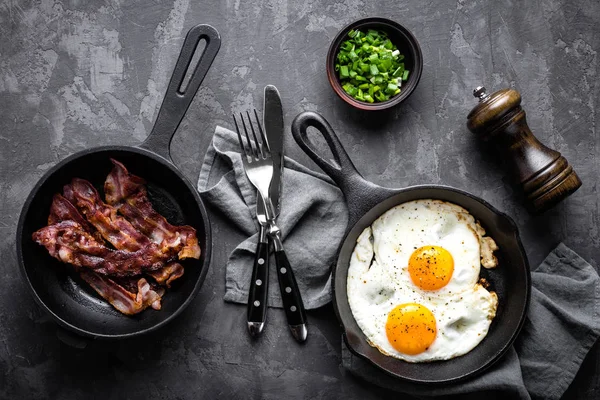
x=545, y=175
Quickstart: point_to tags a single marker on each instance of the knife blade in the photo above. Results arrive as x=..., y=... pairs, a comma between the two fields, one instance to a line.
x=273, y=123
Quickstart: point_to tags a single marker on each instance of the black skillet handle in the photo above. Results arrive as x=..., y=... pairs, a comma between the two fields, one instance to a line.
x=177, y=99
x=361, y=195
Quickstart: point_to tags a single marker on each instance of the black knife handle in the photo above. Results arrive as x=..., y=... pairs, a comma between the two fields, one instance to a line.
x=259, y=286
x=290, y=294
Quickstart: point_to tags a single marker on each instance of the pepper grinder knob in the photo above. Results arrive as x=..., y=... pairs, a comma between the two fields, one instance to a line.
x=480, y=93
x=544, y=174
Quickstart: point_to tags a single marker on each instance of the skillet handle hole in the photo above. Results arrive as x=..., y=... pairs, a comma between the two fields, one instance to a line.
x=317, y=141
x=192, y=66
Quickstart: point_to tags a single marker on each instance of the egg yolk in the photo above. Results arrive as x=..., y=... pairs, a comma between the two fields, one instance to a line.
x=410, y=328
x=431, y=267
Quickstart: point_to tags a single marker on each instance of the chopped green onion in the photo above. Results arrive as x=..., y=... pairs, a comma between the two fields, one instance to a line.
x=350, y=89
x=370, y=67
x=385, y=65
x=374, y=70
x=344, y=71
x=359, y=95
x=398, y=72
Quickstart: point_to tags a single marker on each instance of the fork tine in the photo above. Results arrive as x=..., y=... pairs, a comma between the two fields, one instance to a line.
x=253, y=151
x=262, y=133
x=237, y=129
x=259, y=145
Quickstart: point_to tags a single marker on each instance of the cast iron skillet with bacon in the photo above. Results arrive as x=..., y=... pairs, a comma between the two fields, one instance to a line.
x=146, y=247
x=70, y=297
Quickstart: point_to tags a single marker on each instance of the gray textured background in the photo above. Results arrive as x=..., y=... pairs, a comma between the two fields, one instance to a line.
x=75, y=74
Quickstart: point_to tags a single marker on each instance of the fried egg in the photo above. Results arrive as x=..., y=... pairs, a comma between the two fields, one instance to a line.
x=413, y=282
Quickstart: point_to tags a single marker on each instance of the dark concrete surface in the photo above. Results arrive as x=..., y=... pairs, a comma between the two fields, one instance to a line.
x=76, y=73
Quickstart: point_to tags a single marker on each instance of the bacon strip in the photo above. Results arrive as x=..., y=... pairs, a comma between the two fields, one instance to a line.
x=129, y=194
x=126, y=302
x=67, y=241
x=63, y=210
x=167, y=274
x=129, y=283
x=115, y=229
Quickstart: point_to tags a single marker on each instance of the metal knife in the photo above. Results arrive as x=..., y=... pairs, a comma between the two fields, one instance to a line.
x=290, y=294
x=259, y=286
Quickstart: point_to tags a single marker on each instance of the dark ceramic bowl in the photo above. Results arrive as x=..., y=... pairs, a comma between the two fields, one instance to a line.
x=402, y=38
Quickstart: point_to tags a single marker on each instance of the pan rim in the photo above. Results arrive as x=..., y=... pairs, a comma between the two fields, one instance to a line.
x=475, y=371
x=207, y=250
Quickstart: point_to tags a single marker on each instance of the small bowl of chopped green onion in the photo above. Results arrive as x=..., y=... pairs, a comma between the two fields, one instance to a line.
x=374, y=63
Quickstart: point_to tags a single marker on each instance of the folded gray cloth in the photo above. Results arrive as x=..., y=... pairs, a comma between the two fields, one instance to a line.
x=313, y=220
x=562, y=325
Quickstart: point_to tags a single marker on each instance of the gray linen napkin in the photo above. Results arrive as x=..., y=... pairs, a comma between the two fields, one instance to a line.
x=562, y=325
x=313, y=220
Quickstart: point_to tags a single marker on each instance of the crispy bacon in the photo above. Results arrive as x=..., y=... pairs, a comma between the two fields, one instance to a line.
x=69, y=194
x=168, y=273
x=128, y=193
x=115, y=229
x=123, y=300
x=129, y=283
x=63, y=210
x=145, y=244
x=67, y=241
x=122, y=292
x=120, y=184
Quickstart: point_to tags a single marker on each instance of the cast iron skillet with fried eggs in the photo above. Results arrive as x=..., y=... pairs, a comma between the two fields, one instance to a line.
x=510, y=281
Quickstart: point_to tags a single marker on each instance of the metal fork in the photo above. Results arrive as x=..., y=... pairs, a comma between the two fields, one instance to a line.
x=259, y=285
x=258, y=166
x=257, y=160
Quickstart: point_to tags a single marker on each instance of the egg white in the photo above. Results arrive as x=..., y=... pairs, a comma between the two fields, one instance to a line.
x=378, y=279
x=403, y=229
